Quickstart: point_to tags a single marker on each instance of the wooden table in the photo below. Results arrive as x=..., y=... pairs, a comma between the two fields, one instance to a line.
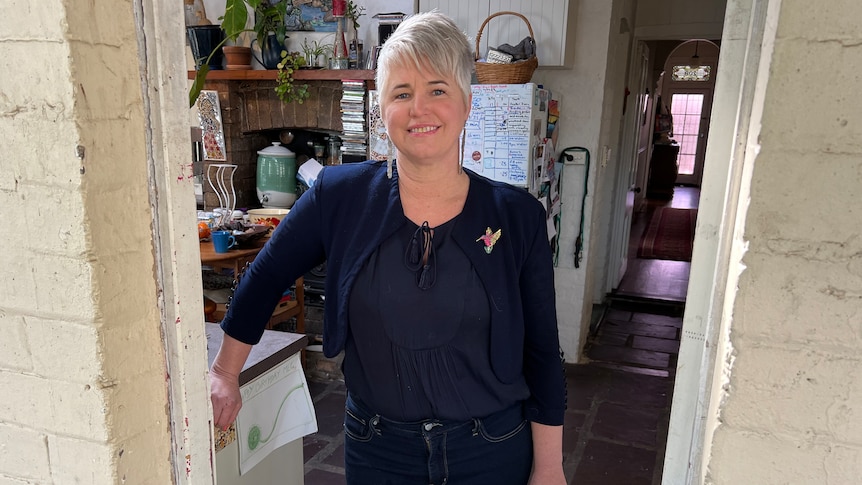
x=236, y=259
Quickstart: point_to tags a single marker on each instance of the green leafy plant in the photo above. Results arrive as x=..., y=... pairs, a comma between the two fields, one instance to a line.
x=285, y=88
x=353, y=12
x=269, y=17
x=314, y=50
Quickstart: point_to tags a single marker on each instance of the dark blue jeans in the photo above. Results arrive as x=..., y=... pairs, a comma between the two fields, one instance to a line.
x=495, y=450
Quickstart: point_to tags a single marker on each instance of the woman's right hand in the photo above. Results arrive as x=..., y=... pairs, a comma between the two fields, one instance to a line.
x=225, y=397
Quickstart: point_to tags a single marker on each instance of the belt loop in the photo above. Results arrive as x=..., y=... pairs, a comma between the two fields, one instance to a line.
x=475, y=426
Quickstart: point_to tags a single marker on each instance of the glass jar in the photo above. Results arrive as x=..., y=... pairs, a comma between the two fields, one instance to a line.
x=334, y=155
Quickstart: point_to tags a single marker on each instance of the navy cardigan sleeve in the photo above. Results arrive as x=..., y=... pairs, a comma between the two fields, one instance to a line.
x=543, y=367
x=296, y=246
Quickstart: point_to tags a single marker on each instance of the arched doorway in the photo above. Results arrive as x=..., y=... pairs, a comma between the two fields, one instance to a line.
x=689, y=81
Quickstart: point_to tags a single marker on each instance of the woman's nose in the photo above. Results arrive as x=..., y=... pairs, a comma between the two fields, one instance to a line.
x=418, y=106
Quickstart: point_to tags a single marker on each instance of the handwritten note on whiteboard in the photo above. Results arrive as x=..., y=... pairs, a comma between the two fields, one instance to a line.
x=499, y=132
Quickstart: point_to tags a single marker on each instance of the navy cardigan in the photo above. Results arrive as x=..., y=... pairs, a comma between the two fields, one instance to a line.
x=352, y=208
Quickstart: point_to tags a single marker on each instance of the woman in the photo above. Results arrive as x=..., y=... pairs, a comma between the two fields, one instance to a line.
x=439, y=290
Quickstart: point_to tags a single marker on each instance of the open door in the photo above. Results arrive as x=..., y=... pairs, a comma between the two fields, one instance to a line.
x=632, y=153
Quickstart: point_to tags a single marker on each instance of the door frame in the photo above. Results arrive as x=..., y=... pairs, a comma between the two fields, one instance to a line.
x=704, y=353
x=159, y=27
x=626, y=189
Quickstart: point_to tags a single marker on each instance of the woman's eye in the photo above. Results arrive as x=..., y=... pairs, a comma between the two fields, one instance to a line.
x=402, y=96
x=438, y=92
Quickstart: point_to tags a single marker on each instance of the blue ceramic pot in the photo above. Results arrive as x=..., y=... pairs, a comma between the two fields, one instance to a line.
x=203, y=39
x=270, y=52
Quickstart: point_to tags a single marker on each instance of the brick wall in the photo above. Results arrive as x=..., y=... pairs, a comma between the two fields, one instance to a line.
x=253, y=116
x=82, y=363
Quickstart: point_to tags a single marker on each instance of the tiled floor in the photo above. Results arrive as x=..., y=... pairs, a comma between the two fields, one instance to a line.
x=618, y=402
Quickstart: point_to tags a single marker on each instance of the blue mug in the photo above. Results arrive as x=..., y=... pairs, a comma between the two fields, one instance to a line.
x=222, y=241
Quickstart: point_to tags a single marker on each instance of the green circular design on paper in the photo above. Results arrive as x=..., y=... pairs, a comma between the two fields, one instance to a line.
x=253, y=437
x=254, y=434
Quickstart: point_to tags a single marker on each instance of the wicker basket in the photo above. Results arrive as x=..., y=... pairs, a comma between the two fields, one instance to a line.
x=515, y=73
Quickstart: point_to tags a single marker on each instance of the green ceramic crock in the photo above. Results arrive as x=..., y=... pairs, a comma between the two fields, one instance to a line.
x=276, y=176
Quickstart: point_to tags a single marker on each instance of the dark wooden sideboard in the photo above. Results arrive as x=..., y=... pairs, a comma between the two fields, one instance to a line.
x=663, y=169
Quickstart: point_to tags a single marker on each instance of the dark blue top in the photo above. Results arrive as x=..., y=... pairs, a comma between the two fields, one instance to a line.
x=353, y=208
x=416, y=353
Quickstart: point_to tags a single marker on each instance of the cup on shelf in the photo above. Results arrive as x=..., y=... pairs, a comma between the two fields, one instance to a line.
x=222, y=241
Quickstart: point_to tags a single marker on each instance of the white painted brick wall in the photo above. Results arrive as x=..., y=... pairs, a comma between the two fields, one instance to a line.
x=791, y=413
x=14, y=346
x=77, y=461
x=82, y=370
x=25, y=454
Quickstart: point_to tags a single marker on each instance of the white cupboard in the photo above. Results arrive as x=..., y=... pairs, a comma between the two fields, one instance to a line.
x=551, y=21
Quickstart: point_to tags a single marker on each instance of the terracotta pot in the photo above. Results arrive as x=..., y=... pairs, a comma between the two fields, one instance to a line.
x=237, y=57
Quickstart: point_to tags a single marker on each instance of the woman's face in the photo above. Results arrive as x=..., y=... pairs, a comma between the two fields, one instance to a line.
x=424, y=115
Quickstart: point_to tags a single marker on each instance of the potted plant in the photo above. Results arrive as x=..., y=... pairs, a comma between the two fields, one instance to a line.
x=353, y=12
x=314, y=51
x=269, y=18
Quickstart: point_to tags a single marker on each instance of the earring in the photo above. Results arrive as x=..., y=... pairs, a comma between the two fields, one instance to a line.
x=463, y=142
x=389, y=157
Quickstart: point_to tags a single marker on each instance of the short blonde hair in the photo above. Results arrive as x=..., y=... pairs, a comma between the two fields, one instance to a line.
x=428, y=40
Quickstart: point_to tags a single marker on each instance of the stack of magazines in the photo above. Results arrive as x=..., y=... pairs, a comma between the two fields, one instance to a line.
x=353, y=118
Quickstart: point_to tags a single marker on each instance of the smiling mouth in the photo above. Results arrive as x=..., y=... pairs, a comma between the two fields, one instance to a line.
x=424, y=129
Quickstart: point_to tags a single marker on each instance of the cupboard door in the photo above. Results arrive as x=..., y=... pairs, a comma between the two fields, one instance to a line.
x=468, y=14
x=547, y=18
x=550, y=20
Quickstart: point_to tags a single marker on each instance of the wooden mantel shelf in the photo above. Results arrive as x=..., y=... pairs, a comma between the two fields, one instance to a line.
x=300, y=75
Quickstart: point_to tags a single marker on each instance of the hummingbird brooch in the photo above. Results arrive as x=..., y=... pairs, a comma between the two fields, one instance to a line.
x=490, y=238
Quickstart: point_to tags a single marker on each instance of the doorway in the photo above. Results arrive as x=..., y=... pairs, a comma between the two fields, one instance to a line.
x=690, y=110
x=639, y=331
x=683, y=80
x=690, y=71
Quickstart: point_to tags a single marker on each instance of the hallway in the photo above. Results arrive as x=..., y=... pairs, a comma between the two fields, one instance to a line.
x=632, y=356
x=618, y=400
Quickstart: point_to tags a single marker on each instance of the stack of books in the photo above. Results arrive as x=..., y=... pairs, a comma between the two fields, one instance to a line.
x=354, y=136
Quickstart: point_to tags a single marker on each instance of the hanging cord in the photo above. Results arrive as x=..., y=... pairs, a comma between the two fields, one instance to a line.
x=419, y=256
x=558, y=167
x=579, y=241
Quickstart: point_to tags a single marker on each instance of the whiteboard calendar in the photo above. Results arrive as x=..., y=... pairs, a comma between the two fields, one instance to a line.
x=504, y=132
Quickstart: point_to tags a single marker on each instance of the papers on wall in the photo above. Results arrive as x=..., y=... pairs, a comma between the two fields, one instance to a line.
x=507, y=123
